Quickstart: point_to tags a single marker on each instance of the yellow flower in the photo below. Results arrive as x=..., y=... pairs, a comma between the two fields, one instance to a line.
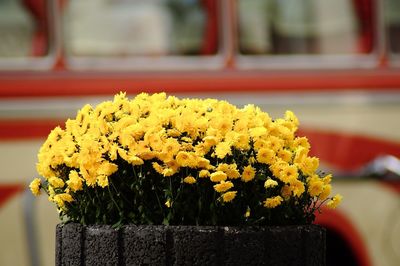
x=223, y=167
x=183, y=158
x=335, y=201
x=309, y=165
x=228, y=196
x=248, y=173
x=315, y=186
x=56, y=182
x=202, y=162
x=273, y=202
x=290, y=116
x=297, y=187
x=265, y=155
x=260, y=143
x=204, y=173
x=75, y=181
x=275, y=143
x=257, y=132
x=132, y=159
x=102, y=181
x=247, y=213
x=270, y=183
x=35, y=186
x=171, y=147
x=232, y=171
x=242, y=142
x=288, y=173
x=223, y=186
x=168, y=172
x=326, y=191
x=285, y=155
x=222, y=149
x=218, y=176
x=157, y=167
x=60, y=199
x=106, y=168
x=189, y=180
x=327, y=179
x=300, y=154
x=168, y=203
x=278, y=167
x=301, y=142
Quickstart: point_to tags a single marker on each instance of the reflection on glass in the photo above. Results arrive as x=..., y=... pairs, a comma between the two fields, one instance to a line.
x=23, y=28
x=392, y=19
x=140, y=27
x=303, y=27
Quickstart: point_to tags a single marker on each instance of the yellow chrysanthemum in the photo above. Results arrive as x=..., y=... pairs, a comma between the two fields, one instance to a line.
x=257, y=132
x=159, y=169
x=222, y=149
x=56, y=182
x=232, y=172
x=275, y=143
x=326, y=191
x=204, y=173
x=102, y=181
x=273, y=202
x=265, y=155
x=285, y=155
x=35, y=186
x=60, y=199
x=106, y=168
x=218, y=176
x=189, y=180
x=297, y=188
x=247, y=213
x=74, y=182
x=335, y=201
x=168, y=172
x=327, y=179
x=315, y=186
x=288, y=174
x=248, y=173
x=270, y=183
x=228, y=196
x=309, y=165
x=290, y=116
x=183, y=158
x=223, y=186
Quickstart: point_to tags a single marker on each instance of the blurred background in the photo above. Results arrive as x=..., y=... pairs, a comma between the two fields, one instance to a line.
x=336, y=64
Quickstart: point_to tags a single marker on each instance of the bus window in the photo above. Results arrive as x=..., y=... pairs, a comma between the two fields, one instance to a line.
x=392, y=19
x=23, y=29
x=282, y=27
x=153, y=28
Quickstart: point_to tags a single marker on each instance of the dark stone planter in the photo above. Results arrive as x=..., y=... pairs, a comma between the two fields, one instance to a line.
x=189, y=245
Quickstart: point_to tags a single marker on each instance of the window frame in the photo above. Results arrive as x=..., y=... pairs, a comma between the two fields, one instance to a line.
x=40, y=63
x=314, y=61
x=161, y=63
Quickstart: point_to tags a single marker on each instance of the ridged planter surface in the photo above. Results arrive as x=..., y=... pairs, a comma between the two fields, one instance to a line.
x=189, y=245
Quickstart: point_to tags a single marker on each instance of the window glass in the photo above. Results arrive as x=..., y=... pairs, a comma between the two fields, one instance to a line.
x=392, y=19
x=23, y=28
x=304, y=26
x=140, y=27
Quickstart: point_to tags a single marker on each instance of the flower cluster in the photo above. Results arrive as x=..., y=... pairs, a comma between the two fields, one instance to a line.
x=157, y=159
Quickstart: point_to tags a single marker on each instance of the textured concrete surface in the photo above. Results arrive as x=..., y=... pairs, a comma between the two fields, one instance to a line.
x=189, y=245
